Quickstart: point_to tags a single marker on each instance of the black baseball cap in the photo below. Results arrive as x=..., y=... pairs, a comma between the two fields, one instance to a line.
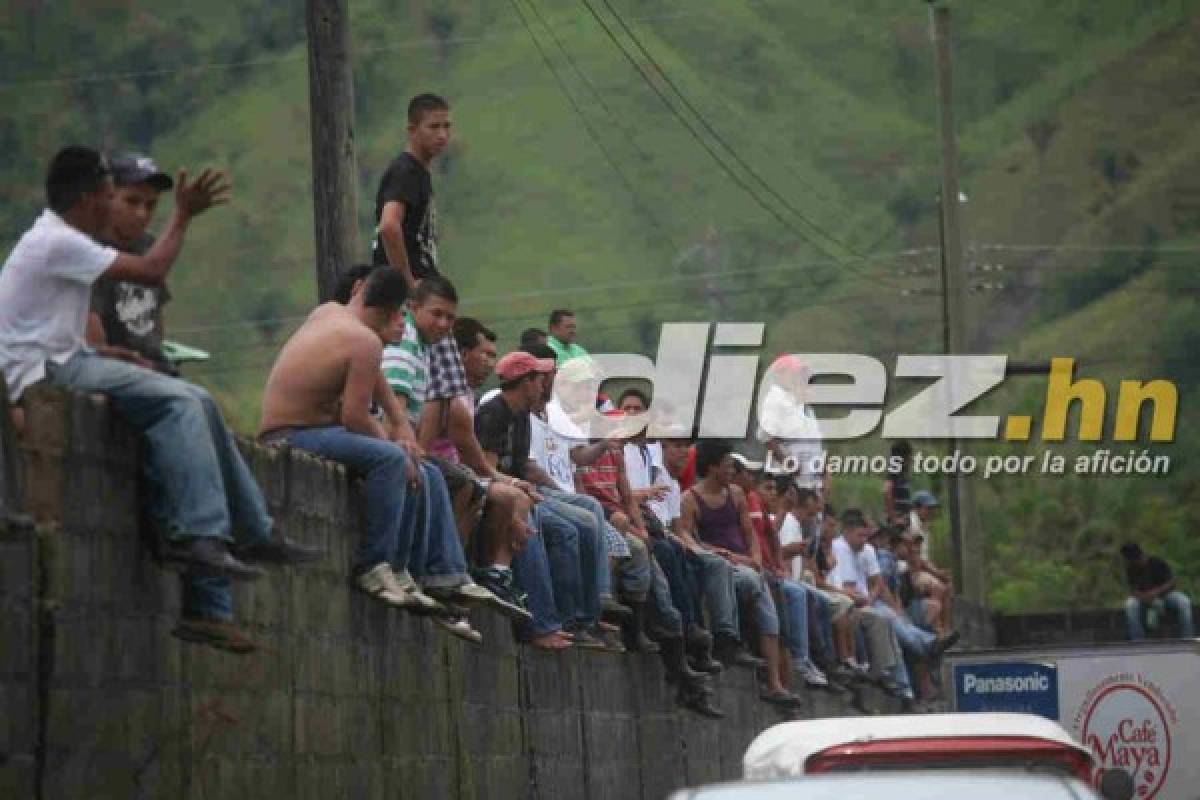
x=130, y=169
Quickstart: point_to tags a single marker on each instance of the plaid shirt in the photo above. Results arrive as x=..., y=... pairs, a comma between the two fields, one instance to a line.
x=447, y=378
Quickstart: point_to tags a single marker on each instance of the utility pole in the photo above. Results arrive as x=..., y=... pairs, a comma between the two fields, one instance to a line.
x=964, y=517
x=331, y=113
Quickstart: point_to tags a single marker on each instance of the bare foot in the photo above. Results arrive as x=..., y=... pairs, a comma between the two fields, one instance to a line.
x=550, y=641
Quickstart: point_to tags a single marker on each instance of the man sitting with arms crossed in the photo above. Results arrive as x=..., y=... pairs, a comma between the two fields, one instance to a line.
x=318, y=397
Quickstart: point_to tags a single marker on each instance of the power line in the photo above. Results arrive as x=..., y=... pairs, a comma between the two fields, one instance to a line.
x=695, y=134
x=1120, y=248
x=508, y=298
x=712, y=131
x=717, y=158
x=833, y=302
x=404, y=44
x=592, y=134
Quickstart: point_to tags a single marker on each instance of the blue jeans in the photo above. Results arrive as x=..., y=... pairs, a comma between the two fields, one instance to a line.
x=204, y=486
x=383, y=464
x=714, y=576
x=1177, y=603
x=795, y=608
x=670, y=556
x=914, y=641
x=750, y=584
x=824, y=625
x=600, y=547
x=595, y=580
x=531, y=570
x=635, y=575
x=664, y=610
x=428, y=545
x=563, y=543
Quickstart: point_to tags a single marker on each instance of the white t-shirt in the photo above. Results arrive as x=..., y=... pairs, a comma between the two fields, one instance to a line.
x=856, y=568
x=639, y=466
x=45, y=293
x=643, y=469
x=791, y=532
x=564, y=426
x=552, y=453
x=670, y=508
x=781, y=417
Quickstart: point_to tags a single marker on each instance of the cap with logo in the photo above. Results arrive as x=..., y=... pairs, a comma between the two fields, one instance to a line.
x=130, y=169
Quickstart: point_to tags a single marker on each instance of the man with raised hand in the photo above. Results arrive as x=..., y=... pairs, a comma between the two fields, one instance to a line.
x=208, y=500
x=126, y=319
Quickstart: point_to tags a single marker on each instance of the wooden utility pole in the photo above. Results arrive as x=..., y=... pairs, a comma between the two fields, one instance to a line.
x=964, y=517
x=331, y=112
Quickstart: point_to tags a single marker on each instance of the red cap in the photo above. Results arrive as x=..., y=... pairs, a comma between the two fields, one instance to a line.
x=791, y=365
x=518, y=363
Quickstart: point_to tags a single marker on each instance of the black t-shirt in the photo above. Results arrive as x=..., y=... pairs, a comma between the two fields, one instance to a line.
x=407, y=181
x=1154, y=572
x=505, y=432
x=131, y=313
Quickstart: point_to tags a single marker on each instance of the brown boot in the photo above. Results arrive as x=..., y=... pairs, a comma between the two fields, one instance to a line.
x=636, y=638
x=217, y=633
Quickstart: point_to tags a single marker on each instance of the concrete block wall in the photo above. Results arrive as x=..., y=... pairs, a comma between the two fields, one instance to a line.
x=346, y=698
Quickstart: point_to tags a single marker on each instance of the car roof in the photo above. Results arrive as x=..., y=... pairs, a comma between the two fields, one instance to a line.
x=917, y=784
x=783, y=750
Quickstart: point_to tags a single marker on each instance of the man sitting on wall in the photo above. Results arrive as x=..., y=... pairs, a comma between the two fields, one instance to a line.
x=318, y=398
x=1153, y=589
x=204, y=498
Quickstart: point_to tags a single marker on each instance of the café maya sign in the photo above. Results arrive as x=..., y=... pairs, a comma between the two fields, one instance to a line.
x=1127, y=723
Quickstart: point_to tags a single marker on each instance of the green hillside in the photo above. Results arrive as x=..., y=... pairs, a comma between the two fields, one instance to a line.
x=573, y=184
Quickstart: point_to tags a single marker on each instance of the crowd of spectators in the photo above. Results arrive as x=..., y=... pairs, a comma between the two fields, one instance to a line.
x=612, y=543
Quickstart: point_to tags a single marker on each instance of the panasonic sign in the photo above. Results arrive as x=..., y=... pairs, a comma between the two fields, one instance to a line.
x=1010, y=683
x=1007, y=686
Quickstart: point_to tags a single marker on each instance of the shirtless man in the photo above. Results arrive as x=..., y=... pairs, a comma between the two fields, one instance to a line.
x=317, y=399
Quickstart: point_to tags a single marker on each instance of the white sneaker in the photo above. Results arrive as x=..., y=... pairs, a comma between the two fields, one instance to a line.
x=380, y=582
x=414, y=598
x=812, y=675
x=474, y=593
x=460, y=627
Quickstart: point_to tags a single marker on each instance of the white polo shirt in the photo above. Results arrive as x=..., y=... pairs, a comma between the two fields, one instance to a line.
x=45, y=293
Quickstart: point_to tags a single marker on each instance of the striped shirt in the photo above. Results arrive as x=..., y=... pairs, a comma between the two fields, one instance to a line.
x=406, y=367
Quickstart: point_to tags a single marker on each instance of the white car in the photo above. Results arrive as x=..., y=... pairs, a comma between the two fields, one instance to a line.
x=911, y=784
x=993, y=741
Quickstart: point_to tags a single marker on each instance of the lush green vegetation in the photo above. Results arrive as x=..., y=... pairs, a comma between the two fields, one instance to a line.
x=1077, y=120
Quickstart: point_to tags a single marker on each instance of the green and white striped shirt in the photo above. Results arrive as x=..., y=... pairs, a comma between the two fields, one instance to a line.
x=406, y=367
